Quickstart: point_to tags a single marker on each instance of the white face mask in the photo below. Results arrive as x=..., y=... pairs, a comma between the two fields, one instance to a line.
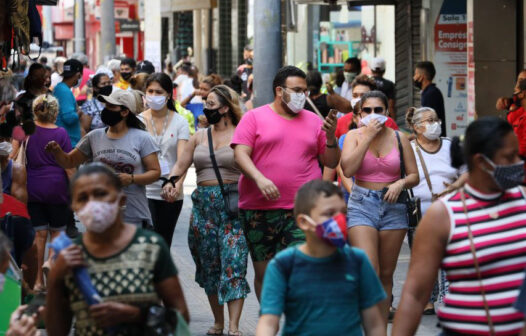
x=155, y=102
x=380, y=117
x=98, y=216
x=355, y=101
x=432, y=131
x=297, y=101
x=2, y=282
x=349, y=76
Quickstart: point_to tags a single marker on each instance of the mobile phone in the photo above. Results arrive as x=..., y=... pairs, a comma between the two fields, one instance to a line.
x=34, y=305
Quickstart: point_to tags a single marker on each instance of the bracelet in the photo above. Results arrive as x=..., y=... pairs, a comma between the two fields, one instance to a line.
x=332, y=146
x=171, y=179
x=133, y=179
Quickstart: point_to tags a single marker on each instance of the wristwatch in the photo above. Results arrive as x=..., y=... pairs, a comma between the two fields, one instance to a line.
x=332, y=146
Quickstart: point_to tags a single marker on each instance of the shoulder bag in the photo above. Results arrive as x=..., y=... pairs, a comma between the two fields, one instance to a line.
x=231, y=197
x=412, y=203
x=426, y=173
x=476, y=264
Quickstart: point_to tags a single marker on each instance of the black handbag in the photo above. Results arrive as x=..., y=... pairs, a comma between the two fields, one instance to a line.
x=230, y=196
x=414, y=213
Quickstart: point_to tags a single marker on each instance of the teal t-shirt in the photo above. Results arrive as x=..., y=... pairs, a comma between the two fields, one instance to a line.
x=320, y=296
x=67, y=116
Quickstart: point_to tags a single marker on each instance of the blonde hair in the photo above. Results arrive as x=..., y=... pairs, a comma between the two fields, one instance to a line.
x=45, y=108
x=229, y=97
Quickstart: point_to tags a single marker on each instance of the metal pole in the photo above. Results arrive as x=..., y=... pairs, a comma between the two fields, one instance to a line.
x=267, y=48
x=80, y=25
x=107, y=28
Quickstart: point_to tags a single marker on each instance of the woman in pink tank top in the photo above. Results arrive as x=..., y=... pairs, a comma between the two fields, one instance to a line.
x=476, y=235
x=377, y=219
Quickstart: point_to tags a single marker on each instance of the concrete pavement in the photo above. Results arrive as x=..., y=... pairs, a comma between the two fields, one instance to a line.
x=197, y=302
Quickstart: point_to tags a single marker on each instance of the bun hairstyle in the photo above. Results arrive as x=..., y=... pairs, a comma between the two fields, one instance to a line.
x=414, y=115
x=483, y=136
x=46, y=108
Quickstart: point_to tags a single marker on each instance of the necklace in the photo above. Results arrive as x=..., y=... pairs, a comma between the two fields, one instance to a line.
x=496, y=201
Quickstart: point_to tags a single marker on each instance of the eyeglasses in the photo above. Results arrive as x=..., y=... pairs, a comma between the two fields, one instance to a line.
x=298, y=90
x=376, y=109
x=430, y=121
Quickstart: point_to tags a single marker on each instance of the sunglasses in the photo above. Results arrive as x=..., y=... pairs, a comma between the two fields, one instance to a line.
x=377, y=109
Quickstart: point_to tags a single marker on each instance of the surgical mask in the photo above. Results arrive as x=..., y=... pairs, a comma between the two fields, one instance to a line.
x=98, y=216
x=506, y=176
x=333, y=231
x=417, y=84
x=111, y=118
x=156, y=102
x=432, y=131
x=78, y=83
x=355, y=101
x=380, y=117
x=296, y=101
x=212, y=115
x=349, y=76
x=105, y=90
x=2, y=282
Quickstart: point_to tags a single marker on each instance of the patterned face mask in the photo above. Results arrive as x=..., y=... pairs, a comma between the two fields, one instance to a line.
x=98, y=216
x=506, y=176
x=333, y=231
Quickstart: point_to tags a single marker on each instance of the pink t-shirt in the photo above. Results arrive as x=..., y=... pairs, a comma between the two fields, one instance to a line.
x=284, y=151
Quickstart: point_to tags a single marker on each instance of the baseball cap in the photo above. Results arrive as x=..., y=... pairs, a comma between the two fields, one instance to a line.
x=121, y=98
x=378, y=63
x=71, y=67
x=146, y=67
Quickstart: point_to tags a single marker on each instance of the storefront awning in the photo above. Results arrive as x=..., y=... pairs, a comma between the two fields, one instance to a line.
x=186, y=5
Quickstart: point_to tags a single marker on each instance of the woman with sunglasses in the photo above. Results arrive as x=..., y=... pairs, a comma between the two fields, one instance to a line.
x=477, y=236
x=377, y=219
x=215, y=237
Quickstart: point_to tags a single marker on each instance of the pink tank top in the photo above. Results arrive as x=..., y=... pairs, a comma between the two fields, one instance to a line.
x=380, y=169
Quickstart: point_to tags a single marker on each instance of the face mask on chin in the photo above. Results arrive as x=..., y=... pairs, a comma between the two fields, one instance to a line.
x=296, y=101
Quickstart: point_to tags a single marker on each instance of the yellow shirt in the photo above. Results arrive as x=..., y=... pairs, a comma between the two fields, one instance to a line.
x=122, y=84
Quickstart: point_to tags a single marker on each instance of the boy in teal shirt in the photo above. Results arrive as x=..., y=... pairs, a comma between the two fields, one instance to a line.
x=323, y=286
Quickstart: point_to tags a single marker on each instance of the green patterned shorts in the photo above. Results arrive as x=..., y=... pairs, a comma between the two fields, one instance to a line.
x=269, y=231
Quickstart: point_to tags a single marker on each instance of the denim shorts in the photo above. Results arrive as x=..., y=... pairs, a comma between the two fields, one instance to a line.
x=367, y=208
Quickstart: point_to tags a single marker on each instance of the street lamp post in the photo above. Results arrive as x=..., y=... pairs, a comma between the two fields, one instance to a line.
x=80, y=27
x=267, y=48
x=107, y=27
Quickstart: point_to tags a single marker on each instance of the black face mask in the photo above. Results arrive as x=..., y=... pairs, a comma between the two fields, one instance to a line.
x=212, y=115
x=126, y=75
x=417, y=84
x=103, y=91
x=110, y=118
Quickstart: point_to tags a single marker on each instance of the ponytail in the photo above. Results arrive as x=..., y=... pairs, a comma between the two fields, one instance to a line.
x=409, y=117
x=457, y=153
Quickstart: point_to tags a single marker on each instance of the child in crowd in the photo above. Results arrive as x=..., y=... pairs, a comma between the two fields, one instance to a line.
x=323, y=286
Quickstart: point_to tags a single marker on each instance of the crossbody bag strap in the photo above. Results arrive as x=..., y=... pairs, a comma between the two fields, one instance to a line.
x=214, y=163
x=424, y=168
x=476, y=264
x=402, y=163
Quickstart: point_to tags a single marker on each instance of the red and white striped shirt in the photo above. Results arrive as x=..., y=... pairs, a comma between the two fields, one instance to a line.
x=498, y=224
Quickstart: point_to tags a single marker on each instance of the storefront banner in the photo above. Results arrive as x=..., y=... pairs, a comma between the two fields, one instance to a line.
x=451, y=63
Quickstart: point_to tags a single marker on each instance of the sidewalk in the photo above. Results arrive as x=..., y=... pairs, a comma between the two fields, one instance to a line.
x=200, y=313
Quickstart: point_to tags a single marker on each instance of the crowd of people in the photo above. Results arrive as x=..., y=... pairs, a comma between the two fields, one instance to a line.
x=319, y=187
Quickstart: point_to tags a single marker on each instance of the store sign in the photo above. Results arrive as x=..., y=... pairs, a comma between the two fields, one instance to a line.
x=451, y=63
x=129, y=25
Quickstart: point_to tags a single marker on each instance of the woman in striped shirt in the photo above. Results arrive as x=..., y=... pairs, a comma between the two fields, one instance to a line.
x=478, y=236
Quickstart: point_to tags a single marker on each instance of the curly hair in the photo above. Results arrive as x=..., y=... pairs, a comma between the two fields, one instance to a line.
x=365, y=81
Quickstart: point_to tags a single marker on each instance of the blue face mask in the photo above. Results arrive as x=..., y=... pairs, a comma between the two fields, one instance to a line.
x=333, y=231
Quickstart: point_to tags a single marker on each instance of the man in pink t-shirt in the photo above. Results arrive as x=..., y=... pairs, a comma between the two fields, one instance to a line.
x=277, y=146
